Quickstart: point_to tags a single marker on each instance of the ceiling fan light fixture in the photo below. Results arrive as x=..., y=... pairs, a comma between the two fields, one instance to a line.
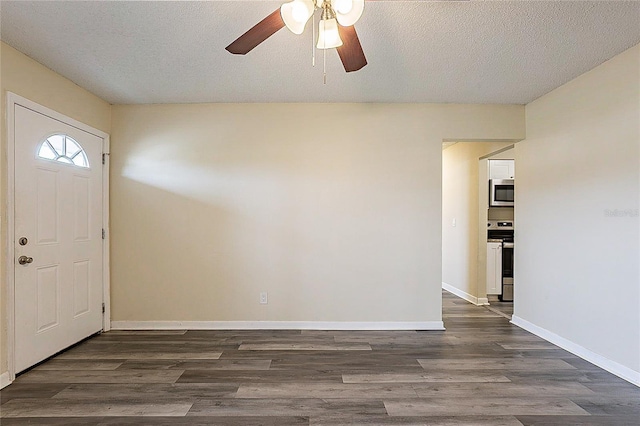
x=328, y=35
x=296, y=14
x=342, y=6
x=348, y=11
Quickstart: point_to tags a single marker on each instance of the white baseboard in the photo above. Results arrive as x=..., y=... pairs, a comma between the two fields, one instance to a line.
x=275, y=325
x=464, y=295
x=4, y=380
x=613, y=367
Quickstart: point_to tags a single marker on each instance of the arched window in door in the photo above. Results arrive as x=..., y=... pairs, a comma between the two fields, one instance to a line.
x=64, y=149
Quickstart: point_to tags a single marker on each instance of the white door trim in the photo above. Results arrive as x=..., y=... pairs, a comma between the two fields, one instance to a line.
x=12, y=101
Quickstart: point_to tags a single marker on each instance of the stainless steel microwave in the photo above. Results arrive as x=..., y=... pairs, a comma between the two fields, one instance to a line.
x=501, y=192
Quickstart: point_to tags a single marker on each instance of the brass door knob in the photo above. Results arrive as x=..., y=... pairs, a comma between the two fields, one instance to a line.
x=23, y=260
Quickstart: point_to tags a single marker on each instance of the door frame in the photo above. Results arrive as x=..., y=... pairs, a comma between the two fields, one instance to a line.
x=12, y=101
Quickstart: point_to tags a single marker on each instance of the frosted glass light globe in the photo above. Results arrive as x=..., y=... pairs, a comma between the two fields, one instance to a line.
x=328, y=36
x=296, y=14
x=342, y=6
x=299, y=12
x=348, y=11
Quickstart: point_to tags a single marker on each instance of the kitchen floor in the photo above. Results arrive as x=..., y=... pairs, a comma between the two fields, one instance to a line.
x=480, y=371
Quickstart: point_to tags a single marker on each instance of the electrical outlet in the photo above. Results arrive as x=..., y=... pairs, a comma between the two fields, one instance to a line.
x=264, y=299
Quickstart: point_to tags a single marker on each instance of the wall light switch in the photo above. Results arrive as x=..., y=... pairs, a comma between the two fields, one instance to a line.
x=264, y=299
x=453, y=222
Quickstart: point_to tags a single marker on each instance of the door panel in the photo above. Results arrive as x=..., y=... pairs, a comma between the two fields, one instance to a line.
x=47, y=206
x=81, y=288
x=81, y=208
x=47, y=302
x=58, y=208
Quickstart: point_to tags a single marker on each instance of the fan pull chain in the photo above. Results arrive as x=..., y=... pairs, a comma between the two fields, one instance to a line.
x=313, y=39
x=324, y=66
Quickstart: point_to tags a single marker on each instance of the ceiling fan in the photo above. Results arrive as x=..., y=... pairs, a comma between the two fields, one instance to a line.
x=336, y=29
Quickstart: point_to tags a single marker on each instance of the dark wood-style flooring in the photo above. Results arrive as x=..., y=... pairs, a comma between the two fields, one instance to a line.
x=501, y=308
x=480, y=371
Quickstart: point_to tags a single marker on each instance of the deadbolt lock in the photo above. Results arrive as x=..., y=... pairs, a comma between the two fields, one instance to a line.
x=23, y=241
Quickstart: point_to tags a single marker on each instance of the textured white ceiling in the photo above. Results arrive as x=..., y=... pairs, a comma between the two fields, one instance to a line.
x=419, y=51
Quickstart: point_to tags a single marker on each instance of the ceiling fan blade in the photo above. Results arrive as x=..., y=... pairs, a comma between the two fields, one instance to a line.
x=257, y=34
x=351, y=53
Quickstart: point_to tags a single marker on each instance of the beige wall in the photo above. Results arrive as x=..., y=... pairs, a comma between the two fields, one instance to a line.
x=27, y=78
x=576, y=263
x=334, y=210
x=461, y=246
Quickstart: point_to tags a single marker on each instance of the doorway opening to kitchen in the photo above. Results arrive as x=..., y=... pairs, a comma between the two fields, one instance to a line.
x=478, y=223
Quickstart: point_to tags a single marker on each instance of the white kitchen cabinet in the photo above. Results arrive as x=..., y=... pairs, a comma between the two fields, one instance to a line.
x=502, y=169
x=494, y=268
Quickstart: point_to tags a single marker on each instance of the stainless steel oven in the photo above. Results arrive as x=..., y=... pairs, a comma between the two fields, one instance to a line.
x=503, y=230
x=507, y=270
x=501, y=192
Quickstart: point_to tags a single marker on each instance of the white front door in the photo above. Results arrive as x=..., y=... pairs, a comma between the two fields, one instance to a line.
x=57, y=236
